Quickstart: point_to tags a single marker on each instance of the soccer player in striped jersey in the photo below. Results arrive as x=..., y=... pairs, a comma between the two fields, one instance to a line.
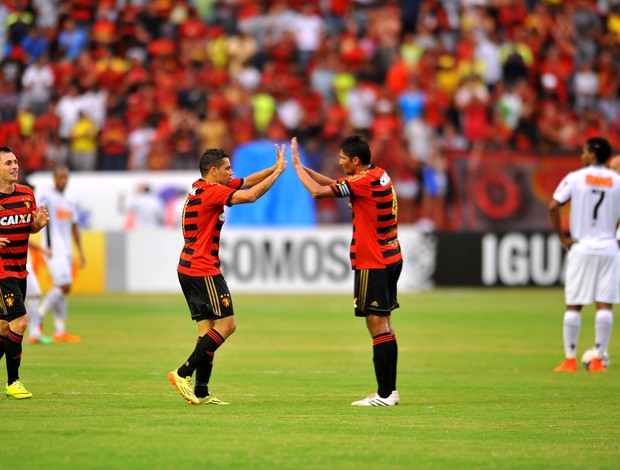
x=375, y=252
x=205, y=289
x=592, y=266
x=19, y=217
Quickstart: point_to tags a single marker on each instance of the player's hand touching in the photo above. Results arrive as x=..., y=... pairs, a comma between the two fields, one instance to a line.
x=295, y=153
x=281, y=158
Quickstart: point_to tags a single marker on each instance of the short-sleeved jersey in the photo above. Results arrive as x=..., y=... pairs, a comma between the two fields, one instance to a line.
x=594, y=192
x=203, y=218
x=375, y=211
x=58, y=233
x=15, y=224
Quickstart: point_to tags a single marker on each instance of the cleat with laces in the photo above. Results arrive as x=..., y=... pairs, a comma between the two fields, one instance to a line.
x=209, y=400
x=40, y=339
x=17, y=390
x=375, y=400
x=568, y=365
x=184, y=386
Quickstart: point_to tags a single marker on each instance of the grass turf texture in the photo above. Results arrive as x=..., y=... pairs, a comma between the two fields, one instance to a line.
x=475, y=382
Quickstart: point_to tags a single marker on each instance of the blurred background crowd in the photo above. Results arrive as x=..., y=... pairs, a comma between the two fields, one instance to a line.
x=149, y=84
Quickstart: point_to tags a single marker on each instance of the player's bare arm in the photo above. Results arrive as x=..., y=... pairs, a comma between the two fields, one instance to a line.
x=255, y=178
x=556, y=223
x=40, y=218
x=256, y=191
x=316, y=184
x=4, y=242
x=78, y=243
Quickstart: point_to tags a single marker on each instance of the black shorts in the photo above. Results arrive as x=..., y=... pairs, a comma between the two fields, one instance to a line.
x=375, y=291
x=208, y=297
x=12, y=294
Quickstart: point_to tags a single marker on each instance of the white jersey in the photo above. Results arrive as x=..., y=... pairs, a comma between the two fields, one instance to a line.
x=594, y=192
x=58, y=234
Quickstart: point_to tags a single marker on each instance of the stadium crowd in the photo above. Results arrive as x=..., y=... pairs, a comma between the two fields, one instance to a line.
x=147, y=85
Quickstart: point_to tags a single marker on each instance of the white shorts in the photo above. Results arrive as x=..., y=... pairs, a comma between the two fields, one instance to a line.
x=33, y=289
x=60, y=268
x=592, y=278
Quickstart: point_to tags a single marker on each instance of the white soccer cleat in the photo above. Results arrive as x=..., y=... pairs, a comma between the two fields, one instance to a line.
x=375, y=400
x=396, y=397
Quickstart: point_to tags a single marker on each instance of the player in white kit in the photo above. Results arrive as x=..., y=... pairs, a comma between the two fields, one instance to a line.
x=33, y=299
x=592, y=267
x=58, y=237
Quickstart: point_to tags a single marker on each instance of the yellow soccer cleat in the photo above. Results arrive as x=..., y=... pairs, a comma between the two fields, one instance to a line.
x=184, y=386
x=17, y=390
x=209, y=400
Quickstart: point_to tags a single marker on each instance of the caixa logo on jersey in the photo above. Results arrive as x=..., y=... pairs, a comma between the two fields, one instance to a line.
x=17, y=219
x=521, y=259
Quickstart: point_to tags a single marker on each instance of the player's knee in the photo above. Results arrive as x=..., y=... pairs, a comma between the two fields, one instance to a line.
x=19, y=325
x=227, y=327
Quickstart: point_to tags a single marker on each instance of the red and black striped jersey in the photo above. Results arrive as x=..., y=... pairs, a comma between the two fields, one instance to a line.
x=203, y=218
x=375, y=211
x=15, y=224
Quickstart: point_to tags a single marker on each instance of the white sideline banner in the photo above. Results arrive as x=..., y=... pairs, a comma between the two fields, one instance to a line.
x=272, y=260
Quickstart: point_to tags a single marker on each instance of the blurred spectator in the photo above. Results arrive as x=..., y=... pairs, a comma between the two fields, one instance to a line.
x=307, y=28
x=56, y=153
x=37, y=85
x=9, y=101
x=83, y=147
x=113, y=145
x=68, y=110
x=141, y=138
x=72, y=40
x=143, y=210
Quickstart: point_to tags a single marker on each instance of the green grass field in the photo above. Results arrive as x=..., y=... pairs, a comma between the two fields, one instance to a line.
x=475, y=382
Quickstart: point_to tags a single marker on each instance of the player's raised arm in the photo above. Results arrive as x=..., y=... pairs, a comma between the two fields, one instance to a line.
x=269, y=177
x=255, y=178
x=316, y=184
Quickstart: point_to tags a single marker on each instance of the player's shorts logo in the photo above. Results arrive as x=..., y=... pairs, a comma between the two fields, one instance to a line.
x=9, y=300
x=225, y=300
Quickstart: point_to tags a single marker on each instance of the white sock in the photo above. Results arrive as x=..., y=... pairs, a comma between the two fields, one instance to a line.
x=571, y=327
x=602, y=330
x=60, y=315
x=34, y=316
x=51, y=299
